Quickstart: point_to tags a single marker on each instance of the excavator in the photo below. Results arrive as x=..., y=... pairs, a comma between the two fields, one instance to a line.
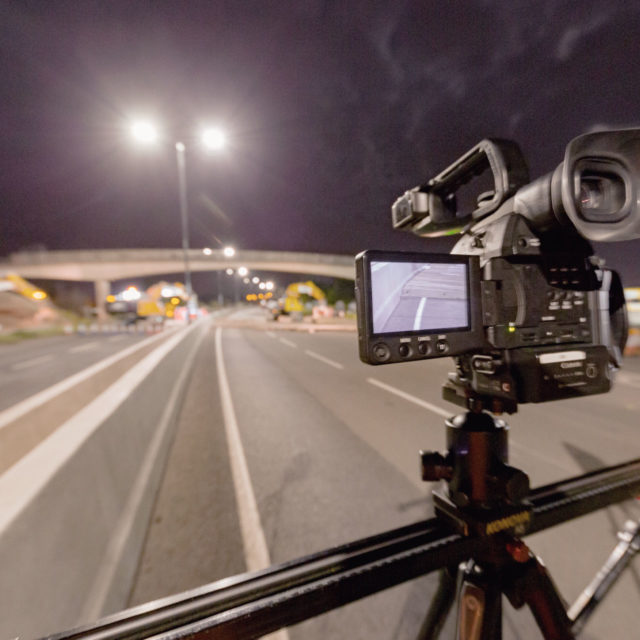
x=295, y=298
x=158, y=302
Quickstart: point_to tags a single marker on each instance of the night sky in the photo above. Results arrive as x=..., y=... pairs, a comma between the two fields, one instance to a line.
x=332, y=110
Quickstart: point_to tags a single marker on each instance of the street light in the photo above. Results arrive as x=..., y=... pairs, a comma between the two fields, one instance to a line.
x=213, y=139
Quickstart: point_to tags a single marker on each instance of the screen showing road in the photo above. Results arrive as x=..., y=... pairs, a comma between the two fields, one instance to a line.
x=419, y=296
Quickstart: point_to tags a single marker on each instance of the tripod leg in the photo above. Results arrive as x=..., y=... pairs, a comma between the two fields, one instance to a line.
x=479, y=605
x=533, y=586
x=440, y=605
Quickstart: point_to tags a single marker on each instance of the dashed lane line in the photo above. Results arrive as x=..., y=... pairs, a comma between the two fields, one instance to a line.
x=88, y=346
x=33, y=362
x=448, y=414
x=317, y=356
x=407, y=396
x=293, y=345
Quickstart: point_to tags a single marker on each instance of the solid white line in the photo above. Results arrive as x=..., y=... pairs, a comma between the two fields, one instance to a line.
x=26, y=364
x=84, y=347
x=95, y=602
x=256, y=552
x=253, y=538
x=407, y=396
x=26, y=478
x=288, y=343
x=18, y=410
x=328, y=361
x=416, y=322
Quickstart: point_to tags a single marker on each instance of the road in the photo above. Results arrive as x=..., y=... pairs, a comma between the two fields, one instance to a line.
x=331, y=447
x=30, y=366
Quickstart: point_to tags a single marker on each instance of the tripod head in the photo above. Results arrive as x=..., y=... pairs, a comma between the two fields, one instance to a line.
x=482, y=493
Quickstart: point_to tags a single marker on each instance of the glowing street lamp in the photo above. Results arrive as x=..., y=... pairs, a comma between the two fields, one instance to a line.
x=243, y=271
x=229, y=252
x=145, y=131
x=214, y=139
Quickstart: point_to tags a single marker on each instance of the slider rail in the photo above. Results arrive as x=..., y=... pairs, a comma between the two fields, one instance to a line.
x=253, y=604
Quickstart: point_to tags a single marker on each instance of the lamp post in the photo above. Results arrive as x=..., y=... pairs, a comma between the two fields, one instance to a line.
x=213, y=140
x=182, y=187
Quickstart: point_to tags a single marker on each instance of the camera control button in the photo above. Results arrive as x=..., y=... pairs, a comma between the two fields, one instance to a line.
x=442, y=346
x=404, y=350
x=424, y=347
x=381, y=352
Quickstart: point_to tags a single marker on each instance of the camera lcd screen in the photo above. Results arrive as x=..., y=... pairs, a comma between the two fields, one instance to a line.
x=419, y=296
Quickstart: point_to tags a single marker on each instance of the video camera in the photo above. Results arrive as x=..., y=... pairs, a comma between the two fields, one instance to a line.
x=524, y=306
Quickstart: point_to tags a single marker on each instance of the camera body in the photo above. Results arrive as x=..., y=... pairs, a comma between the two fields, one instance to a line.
x=522, y=304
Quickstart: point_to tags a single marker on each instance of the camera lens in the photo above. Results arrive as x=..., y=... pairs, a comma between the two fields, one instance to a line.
x=602, y=197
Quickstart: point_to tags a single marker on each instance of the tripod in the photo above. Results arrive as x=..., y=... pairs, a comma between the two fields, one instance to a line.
x=486, y=497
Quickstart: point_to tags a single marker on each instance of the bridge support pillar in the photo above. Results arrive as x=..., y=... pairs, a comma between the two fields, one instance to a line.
x=102, y=289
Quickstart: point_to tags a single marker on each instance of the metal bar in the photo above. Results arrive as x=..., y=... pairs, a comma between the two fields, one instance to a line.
x=607, y=576
x=562, y=501
x=251, y=605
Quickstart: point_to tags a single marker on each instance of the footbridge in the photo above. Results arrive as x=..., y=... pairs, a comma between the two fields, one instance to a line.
x=106, y=265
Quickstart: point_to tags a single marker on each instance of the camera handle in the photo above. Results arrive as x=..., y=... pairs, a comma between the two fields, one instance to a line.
x=483, y=496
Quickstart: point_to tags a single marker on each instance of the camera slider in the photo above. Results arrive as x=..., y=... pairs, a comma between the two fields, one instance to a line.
x=254, y=604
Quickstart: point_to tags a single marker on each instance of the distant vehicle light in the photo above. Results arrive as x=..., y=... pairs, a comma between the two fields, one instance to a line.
x=207, y=251
x=38, y=295
x=229, y=252
x=175, y=301
x=131, y=293
x=111, y=298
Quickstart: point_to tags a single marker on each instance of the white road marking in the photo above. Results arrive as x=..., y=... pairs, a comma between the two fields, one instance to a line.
x=317, y=356
x=416, y=322
x=288, y=343
x=18, y=410
x=94, y=605
x=270, y=334
x=407, y=396
x=88, y=346
x=255, y=545
x=448, y=414
x=256, y=552
x=116, y=338
x=26, y=364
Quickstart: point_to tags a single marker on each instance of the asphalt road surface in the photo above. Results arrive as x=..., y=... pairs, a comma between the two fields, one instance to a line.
x=331, y=447
x=30, y=366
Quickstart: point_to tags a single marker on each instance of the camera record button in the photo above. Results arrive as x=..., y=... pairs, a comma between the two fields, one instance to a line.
x=381, y=352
